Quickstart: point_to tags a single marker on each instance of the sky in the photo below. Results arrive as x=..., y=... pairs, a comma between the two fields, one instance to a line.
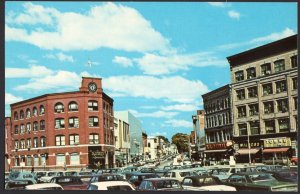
x=155, y=59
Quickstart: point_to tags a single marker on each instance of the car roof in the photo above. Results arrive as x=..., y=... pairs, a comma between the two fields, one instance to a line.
x=182, y=170
x=42, y=185
x=159, y=179
x=110, y=183
x=249, y=173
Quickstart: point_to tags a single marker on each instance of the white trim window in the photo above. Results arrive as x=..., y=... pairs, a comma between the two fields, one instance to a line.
x=36, y=160
x=93, y=121
x=59, y=123
x=35, y=112
x=60, y=159
x=73, y=106
x=60, y=140
x=74, y=139
x=94, y=138
x=92, y=105
x=28, y=113
x=59, y=107
x=73, y=122
x=74, y=159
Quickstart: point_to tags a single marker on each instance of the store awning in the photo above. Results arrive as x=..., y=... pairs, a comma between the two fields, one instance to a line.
x=246, y=151
x=213, y=151
x=275, y=150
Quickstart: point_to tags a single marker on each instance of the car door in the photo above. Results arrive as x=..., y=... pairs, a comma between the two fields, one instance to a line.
x=187, y=183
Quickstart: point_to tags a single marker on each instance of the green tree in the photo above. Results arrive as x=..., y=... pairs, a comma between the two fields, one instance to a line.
x=181, y=140
x=163, y=138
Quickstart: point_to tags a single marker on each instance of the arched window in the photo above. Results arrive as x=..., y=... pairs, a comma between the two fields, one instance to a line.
x=35, y=111
x=16, y=117
x=35, y=126
x=73, y=106
x=59, y=107
x=94, y=138
x=28, y=127
x=59, y=123
x=93, y=121
x=74, y=139
x=16, y=129
x=42, y=110
x=92, y=105
x=73, y=122
x=22, y=128
x=42, y=125
x=35, y=142
x=28, y=113
x=22, y=115
x=60, y=140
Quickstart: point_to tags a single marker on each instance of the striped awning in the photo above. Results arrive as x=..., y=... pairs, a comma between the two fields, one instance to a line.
x=213, y=151
x=275, y=150
x=246, y=151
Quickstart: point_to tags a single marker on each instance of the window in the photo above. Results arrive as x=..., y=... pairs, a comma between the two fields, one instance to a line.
x=35, y=126
x=59, y=123
x=253, y=109
x=28, y=127
x=282, y=105
x=35, y=142
x=294, y=62
x=16, y=144
x=60, y=140
x=73, y=106
x=29, y=161
x=92, y=105
x=16, y=115
x=268, y=107
x=42, y=110
x=295, y=83
x=266, y=69
x=239, y=75
x=93, y=122
x=74, y=159
x=296, y=120
x=267, y=89
x=42, y=125
x=254, y=128
x=283, y=125
x=149, y=145
x=22, y=144
x=35, y=112
x=28, y=143
x=60, y=159
x=279, y=65
x=241, y=111
x=59, y=107
x=240, y=94
x=295, y=103
x=22, y=115
x=28, y=113
x=281, y=86
x=243, y=129
x=251, y=73
x=73, y=122
x=94, y=138
x=16, y=129
x=22, y=128
x=270, y=126
x=74, y=139
x=36, y=160
x=252, y=92
x=43, y=141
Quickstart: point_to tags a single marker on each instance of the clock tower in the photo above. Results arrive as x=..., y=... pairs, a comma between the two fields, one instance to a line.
x=91, y=85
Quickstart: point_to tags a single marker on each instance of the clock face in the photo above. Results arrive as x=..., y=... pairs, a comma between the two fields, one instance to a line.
x=92, y=87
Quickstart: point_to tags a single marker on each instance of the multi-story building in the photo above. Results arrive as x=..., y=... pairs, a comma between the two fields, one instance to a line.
x=153, y=148
x=8, y=143
x=145, y=148
x=135, y=133
x=122, y=141
x=64, y=130
x=264, y=101
x=198, y=126
x=218, y=123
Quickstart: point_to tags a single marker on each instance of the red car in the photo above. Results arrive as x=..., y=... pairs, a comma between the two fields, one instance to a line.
x=294, y=160
x=70, y=182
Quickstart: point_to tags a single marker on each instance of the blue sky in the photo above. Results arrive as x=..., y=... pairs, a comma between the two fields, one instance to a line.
x=156, y=59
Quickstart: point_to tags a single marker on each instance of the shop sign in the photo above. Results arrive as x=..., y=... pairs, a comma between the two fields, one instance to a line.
x=215, y=146
x=252, y=144
x=95, y=153
x=277, y=142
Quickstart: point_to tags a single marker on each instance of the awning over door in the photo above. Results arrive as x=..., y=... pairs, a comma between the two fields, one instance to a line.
x=212, y=151
x=246, y=151
x=275, y=150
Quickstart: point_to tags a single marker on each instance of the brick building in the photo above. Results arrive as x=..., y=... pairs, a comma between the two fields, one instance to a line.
x=8, y=143
x=264, y=101
x=64, y=130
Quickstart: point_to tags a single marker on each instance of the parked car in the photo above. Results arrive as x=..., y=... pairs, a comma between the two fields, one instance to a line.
x=167, y=167
x=294, y=160
x=111, y=186
x=44, y=186
x=147, y=170
x=71, y=173
x=160, y=184
x=39, y=174
x=223, y=172
x=130, y=169
x=107, y=177
x=285, y=175
x=205, y=183
x=50, y=175
x=259, y=181
x=137, y=178
x=112, y=170
x=70, y=182
x=180, y=174
x=264, y=168
x=17, y=184
x=17, y=175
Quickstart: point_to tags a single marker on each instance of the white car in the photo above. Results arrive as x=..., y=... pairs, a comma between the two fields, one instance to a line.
x=111, y=186
x=180, y=174
x=44, y=186
x=50, y=175
x=205, y=183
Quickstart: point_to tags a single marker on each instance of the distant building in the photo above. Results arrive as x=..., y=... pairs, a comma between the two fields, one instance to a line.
x=135, y=133
x=264, y=101
x=153, y=146
x=198, y=126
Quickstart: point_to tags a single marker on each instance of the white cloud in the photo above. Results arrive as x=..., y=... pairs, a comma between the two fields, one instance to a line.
x=10, y=99
x=58, y=80
x=181, y=107
x=32, y=72
x=156, y=114
x=260, y=40
x=61, y=57
x=124, y=61
x=179, y=123
x=153, y=64
x=234, y=14
x=217, y=4
x=175, y=89
x=109, y=25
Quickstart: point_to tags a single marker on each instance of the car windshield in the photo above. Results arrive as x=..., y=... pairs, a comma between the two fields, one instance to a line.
x=168, y=184
x=119, y=188
x=261, y=177
x=13, y=175
x=189, y=173
x=41, y=173
x=52, y=173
